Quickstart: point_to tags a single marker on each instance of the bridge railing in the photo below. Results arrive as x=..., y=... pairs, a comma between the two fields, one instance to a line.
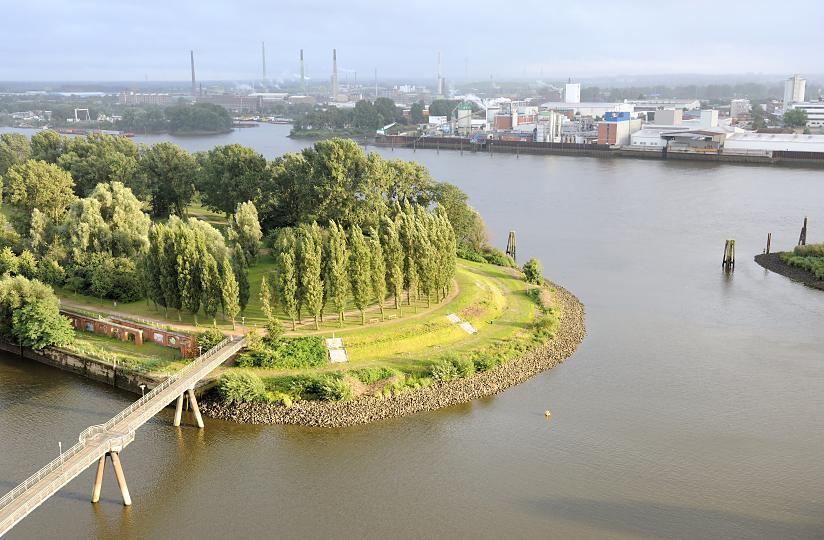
x=193, y=366
x=57, y=462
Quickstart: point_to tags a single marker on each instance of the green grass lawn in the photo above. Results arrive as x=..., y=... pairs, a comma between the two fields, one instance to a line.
x=493, y=299
x=146, y=357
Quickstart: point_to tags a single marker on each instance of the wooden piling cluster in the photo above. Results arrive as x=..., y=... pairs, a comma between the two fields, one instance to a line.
x=802, y=238
x=769, y=241
x=728, y=263
x=510, y=245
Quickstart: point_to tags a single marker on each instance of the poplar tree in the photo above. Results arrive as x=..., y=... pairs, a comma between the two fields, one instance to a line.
x=288, y=284
x=153, y=266
x=189, y=272
x=393, y=251
x=360, y=270
x=312, y=284
x=337, y=266
x=425, y=254
x=211, y=287
x=229, y=292
x=244, y=229
x=378, y=269
x=410, y=264
x=169, y=271
x=447, y=250
x=265, y=299
x=240, y=269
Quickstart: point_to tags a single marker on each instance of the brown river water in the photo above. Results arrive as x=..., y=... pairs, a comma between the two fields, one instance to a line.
x=693, y=408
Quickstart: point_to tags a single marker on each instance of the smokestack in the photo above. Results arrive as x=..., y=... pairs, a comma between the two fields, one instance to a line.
x=335, y=74
x=302, y=77
x=194, y=85
x=263, y=54
x=440, y=79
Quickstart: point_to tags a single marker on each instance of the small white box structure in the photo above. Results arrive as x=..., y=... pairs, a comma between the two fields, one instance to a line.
x=334, y=343
x=468, y=328
x=337, y=356
x=453, y=318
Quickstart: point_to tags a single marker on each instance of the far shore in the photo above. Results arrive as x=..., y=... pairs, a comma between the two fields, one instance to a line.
x=773, y=263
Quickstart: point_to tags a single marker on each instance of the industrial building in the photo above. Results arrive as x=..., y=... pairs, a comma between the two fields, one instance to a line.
x=617, y=128
x=794, y=90
x=572, y=92
x=748, y=142
x=160, y=99
x=658, y=104
x=587, y=108
x=814, y=110
x=548, y=128
x=740, y=108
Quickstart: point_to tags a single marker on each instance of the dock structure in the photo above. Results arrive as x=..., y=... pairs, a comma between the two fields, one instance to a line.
x=728, y=263
x=802, y=238
x=97, y=443
x=510, y=245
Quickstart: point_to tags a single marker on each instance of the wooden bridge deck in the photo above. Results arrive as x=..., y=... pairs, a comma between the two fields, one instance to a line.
x=96, y=441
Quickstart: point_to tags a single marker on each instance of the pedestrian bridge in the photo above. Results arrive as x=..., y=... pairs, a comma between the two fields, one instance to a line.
x=97, y=442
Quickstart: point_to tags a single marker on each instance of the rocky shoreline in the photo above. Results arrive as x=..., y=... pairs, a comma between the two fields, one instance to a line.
x=773, y=263
x=366, y=409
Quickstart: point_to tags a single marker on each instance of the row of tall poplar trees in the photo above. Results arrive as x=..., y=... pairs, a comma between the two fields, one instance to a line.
x=411, y=254
x=186, y=271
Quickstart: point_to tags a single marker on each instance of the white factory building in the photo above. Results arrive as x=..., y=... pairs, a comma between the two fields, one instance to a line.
x=659, y=104
x=794, y=90
x=748, y=142
x=587, y=108
x=814, y=110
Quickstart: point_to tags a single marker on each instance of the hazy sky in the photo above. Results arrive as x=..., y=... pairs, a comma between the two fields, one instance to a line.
x=119, y=40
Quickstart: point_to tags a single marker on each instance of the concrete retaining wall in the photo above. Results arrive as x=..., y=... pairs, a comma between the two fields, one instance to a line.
x=87, y=367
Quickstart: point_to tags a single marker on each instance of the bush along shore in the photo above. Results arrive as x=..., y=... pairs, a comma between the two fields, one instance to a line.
x=369, y=408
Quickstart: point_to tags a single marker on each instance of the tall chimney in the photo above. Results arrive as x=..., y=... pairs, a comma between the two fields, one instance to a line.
x=194, y=86
x=440, y=79
x=302, y=77
x=334, y=74
x=263, y=54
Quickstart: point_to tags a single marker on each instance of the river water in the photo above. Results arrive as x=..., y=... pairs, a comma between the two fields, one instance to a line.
x=693, y=409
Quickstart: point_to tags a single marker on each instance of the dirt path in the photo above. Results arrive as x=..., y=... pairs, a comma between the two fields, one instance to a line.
x=352, y=315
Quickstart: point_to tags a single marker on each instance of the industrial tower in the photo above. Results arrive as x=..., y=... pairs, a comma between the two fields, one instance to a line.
x=334, y=75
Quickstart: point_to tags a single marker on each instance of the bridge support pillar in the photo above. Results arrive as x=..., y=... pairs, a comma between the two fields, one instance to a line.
x=121, y=479
x=98, y=479
x=118, y=472
x=178, y=410
x=195, y=408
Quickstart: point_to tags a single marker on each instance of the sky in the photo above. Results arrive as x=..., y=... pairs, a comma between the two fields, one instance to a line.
x=116, y=40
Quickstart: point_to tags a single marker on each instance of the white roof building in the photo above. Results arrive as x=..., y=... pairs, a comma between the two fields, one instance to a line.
x=793, y=142
x=587, y=108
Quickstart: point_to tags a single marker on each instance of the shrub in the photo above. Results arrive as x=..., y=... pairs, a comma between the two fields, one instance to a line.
x=209, y=338
x=810, y=250
x=241, y=386
x=372, y=375
x=546, y=325
x=533, y=271
x=485, y=363
x=499, y=258
x=50, y=272
x=279, y=397
x=443, y=370
x=469, y=254
x=293, y=353
x=335, y=389
x=464, y=366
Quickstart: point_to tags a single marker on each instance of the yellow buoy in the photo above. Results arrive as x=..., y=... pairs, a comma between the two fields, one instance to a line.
x=547, y=413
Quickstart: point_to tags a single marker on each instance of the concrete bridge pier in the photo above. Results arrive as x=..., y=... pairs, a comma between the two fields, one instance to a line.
x=190, y=393
x=118, y=472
